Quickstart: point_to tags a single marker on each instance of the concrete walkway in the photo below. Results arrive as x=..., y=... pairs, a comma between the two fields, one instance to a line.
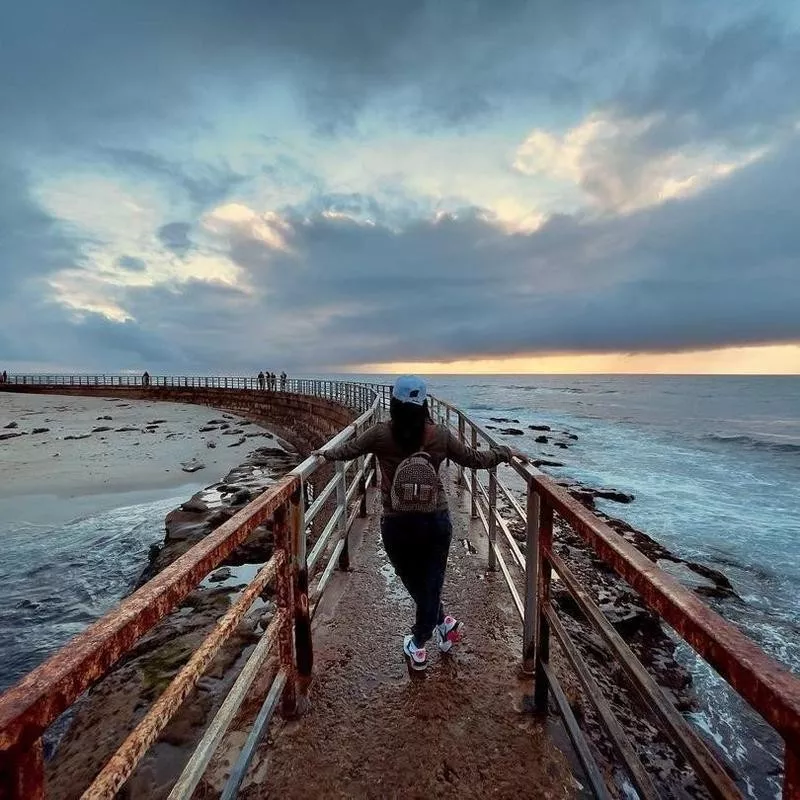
x=373, y=731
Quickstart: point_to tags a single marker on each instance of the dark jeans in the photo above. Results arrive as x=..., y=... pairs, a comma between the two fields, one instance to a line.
x=417, y=546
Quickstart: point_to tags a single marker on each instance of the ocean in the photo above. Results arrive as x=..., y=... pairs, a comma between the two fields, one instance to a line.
x=713, y=463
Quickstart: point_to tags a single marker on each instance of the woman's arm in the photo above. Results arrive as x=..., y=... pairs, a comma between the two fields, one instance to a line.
x=479, y=459
x=359, y=446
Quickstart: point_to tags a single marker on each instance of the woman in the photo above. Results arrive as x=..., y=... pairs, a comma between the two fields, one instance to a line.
x=417, y=543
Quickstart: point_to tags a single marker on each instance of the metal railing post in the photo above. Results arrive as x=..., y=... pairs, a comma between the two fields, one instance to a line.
x=460, y=439
x=303, y=643
x=542, y=656
x=791, y=773
x=341, y=503
x=492, y=533
x=22, y=773
x=531, y=579
x=473, y=505
x=285, y=600
x=362, y=487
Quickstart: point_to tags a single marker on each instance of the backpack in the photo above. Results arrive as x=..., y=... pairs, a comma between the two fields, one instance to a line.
x=415, y=486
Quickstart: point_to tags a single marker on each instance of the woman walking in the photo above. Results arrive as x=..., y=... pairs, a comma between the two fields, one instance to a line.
x=415, y=525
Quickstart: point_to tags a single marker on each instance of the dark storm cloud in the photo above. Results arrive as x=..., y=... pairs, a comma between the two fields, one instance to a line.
x=717, y=269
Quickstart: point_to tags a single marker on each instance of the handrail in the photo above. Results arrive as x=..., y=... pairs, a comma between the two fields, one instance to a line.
x=771, y=689
x=28, y=708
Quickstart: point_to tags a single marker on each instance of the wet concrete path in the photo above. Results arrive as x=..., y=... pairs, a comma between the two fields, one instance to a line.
x=373, y=731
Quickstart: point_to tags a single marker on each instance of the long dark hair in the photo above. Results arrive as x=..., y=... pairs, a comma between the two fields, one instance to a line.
x=408, y=422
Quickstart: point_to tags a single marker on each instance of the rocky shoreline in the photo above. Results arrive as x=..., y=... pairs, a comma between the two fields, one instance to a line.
x=102, y=719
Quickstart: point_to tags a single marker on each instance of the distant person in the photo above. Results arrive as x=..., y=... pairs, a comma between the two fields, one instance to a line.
x=4, y=377
x=415, y=525
x=261, y=380
x=283, y=381
x=146, y=378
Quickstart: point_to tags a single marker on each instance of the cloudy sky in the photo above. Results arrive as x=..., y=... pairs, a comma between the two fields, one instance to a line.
x=214, y=186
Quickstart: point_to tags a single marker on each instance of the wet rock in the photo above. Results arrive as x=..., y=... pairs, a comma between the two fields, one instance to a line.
x=233, y=432
x=156, y=422
x=572, y=436
x=504, y=419
x=511, y=431
x=541, y=440
x=10, y=436
x=100, y=419
x=540, y=427
x=11, y=425
x=242, y=497
x=128, y=430
x=192, y=466
x=208, y=428
x=562, y=445
x=222, y=574
x=613, y=494
x=76, y=436
x=211, y=445
x=224, y=426
x=544, y=462
x=196, y=505
x=101, y=429
x=40, y=430
x=216, y=422
x=240, y=441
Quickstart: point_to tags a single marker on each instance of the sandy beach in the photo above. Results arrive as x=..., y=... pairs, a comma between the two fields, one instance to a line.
x=67, y=456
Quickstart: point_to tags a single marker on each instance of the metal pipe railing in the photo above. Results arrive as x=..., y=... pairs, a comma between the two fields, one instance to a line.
x=28, y=709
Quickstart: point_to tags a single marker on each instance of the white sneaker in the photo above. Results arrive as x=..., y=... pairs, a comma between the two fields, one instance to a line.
x=417, y=656
x=448, y=633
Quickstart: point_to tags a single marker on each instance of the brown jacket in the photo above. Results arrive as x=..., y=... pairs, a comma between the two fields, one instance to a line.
x=440, y=443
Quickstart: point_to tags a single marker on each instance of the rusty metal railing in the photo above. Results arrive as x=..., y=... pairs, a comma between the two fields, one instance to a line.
x=300, y=578
x=767, y=686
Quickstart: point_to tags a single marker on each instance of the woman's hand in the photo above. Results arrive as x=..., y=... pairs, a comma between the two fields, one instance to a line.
x=519, y=454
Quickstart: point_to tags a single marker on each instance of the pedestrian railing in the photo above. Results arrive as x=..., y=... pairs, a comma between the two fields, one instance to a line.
x=299, y=578
x=301, y=575
x=768, y=687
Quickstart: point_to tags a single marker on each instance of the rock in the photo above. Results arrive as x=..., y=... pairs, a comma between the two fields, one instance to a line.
x=40, y=430
x=562, y=445
x=192, y=466
x=99, y=419
x=9, y=436
x=207, y=428
x=222, y=574
x=614, y=494
x=216, y=422
x=242, y=440
x=540, y=427
x=572, y=436
x=128, y=430
x=224, y=426
x=77, y=436
x=101, y=429
x=241, y=498
x=491, y=427
x=233, y=432
x=211, y=445
x=196, y=505
x=11, y=425
x=503, y=419
x=511, y=431
x=229, y=416
x=156, y=422
x=543, y=462
x=541, y=440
